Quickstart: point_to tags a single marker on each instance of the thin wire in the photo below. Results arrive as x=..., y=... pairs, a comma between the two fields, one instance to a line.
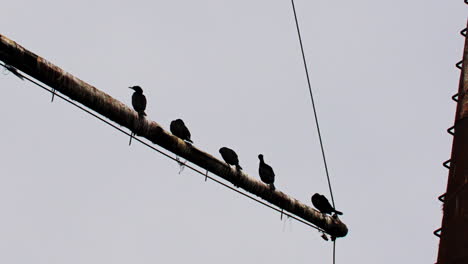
x=334, y=250
x=163, y=153
x=313, y=105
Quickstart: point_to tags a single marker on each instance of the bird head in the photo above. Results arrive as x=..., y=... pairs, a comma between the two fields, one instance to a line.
x=260, y=156
x=136, y=89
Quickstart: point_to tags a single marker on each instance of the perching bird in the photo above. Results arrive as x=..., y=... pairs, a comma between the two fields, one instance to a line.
x=138, y=100
x=266, y=173
x=323, y=205
x=138, y=103
x=230, y=157
x=179, y=130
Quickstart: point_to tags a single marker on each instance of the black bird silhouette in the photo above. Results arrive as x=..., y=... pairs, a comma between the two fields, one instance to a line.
x=179, y=130
x=139, y=105
x=230, y=157
x=323, y=205
x=266, y=173
x=138, y=100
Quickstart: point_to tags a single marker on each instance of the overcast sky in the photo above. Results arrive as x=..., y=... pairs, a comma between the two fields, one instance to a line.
x=73, y=191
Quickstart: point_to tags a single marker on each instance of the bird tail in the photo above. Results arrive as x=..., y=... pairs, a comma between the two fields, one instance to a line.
x=338, y=212
x=238, y=167
x=272, y=187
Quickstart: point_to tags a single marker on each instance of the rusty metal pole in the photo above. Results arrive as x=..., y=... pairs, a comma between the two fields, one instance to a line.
x=453, y=247
x=13, y=54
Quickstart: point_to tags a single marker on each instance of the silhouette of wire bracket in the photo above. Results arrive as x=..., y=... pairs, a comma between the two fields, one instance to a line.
x=459, y=65
x=451, y=130
x=447, y=163
x=442, y=197
x=438, y=231
x=463, y=32
x=53, y=95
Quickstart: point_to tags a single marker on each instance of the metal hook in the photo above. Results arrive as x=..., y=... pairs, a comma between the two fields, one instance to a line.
x=446, y=163
x=459, y=65
x=463, y=32
x=451, y=130
x=437, y=232
x=442, y=197
x=131, y=133
x=53, y=95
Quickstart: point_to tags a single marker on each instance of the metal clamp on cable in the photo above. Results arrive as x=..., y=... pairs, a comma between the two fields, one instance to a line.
x=442, y=197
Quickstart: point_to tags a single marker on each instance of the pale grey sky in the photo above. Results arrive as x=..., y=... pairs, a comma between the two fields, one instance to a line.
x=72, y=191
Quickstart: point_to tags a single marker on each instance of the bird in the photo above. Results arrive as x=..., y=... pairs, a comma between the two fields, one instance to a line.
x=179, y=130
x=230, y=157
x=138, y=100
x=266, y=173
x=323, y=205
x=138, y=103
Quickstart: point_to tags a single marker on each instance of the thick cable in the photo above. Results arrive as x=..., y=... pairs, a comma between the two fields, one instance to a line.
x=204, y=174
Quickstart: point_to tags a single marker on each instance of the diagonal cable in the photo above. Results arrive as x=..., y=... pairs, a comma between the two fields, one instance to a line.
x=313, y=104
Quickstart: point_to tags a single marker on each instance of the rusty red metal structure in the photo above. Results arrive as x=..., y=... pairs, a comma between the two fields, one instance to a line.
x=453, y=247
